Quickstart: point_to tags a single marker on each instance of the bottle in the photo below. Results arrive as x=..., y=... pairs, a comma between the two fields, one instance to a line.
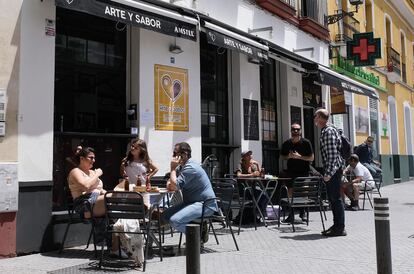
x=148, y=185
x=126, y=185
x=262, y=172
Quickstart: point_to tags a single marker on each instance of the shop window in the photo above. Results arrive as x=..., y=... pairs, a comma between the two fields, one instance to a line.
x=90, y=95
x=214, y=104
x=268, y=96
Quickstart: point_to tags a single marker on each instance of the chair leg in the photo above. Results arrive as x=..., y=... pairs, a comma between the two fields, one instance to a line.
x=64, y=238
x=320, y=212
x=102, y=254
x=89, y=239
x=369, y=200
x=212, y=228
x=232, y=234
x=292, y=210
x=179, y=243
x=241, y=218
x=363, y=203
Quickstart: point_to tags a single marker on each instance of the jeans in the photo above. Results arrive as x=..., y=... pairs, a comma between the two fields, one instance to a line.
x=180, y=215
x=373, y=169
x=333, y=188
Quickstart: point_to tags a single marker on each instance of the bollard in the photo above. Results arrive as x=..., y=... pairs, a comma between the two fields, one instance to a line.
x=192, y=248
x=382, y=235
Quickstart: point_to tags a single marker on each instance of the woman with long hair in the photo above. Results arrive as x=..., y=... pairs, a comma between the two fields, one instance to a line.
x=137, y=166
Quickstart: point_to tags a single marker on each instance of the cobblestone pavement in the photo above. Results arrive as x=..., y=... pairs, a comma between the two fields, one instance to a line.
x=269, y=250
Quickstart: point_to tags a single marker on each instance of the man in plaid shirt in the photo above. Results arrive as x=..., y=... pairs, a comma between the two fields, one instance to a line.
x=330, y=142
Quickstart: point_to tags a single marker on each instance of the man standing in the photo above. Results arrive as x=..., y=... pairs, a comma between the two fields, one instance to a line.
x=330, y=143
x=299, y=154
x=187, y=175
x=362, y=179
x=365, y=154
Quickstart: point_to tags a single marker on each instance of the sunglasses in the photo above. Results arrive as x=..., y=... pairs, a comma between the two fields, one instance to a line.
x=295, y=129
x=91, y=158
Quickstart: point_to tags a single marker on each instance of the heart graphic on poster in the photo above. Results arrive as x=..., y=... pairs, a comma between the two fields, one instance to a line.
x=173, y=89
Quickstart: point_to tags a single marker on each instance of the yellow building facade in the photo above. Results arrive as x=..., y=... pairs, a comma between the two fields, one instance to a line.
x=391, y=119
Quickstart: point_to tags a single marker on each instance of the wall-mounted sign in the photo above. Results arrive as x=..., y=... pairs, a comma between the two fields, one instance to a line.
x=251, y=119
x=364, y=49
x=295, y=115
x=50, y=28
x=133, y=16
x=337, y=101
x=312, y=94
x=171, y=98
x=361, y=120
x=9, y=187
x=221, y=40
x=384, y=125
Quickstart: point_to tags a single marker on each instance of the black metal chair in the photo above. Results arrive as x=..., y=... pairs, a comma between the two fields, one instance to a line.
x=74, y=218
x=368, y=192
x=128, y=205
x=306, y=193
x=224, y=196
x=242, y=197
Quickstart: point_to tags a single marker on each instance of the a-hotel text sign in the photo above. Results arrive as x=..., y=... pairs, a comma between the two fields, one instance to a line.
x=132, y=16
x=224, y=41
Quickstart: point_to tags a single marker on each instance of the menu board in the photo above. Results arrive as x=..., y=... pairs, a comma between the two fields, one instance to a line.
x=251, y=119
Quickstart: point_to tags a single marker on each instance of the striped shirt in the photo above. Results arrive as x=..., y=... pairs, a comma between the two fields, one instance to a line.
x=330, y=142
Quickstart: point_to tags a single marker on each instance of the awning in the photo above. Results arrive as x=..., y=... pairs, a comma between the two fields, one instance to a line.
x=290, y=58
x=224, y=37
x=326, y=76
x=137, y=13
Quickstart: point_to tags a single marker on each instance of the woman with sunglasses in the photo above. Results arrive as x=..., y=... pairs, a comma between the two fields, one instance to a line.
x=85, y=186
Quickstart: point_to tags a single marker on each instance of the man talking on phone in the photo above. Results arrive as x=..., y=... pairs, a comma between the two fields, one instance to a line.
x=188, y=176
x=299, y=154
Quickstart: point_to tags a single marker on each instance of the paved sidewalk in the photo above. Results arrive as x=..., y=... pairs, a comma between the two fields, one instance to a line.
x=270, y=250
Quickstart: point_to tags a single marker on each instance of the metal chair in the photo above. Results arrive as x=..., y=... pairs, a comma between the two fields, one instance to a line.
x=128, y=205
x=369, y=192
x=74, y=218
x=224, y=196
x=306, y=193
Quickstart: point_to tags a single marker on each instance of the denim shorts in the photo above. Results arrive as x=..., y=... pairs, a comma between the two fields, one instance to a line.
x=84, y=203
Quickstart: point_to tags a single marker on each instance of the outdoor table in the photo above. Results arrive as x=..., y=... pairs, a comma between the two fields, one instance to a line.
x=266, y=185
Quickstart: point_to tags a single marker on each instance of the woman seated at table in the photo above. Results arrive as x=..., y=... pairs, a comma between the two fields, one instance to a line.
x=249, y=168
x=85, y=186
x=137, y=166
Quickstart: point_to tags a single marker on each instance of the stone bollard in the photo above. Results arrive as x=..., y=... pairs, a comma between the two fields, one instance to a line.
x=192, y=248
x=382, y=235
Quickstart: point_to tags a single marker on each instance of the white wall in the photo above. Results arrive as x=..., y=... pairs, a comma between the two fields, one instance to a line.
x=154, y=49
x=244, y=16
x=35, y=111
x=249, y=89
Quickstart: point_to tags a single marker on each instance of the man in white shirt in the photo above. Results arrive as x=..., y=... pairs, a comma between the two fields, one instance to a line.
x=361, y=179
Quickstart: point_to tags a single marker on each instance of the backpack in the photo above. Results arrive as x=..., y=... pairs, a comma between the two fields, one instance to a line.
x=346, y=147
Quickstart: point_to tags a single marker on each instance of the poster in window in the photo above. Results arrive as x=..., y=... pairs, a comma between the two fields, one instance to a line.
x=337, y=101
x=384, y=125
x=251, y=119
x=361, y=120
x=295, y=115
x=171, y=98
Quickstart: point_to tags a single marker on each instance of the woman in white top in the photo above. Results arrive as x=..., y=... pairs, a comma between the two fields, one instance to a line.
x=137, y=166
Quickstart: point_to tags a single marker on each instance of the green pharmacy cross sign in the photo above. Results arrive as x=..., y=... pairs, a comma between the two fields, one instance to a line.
x=364, y=49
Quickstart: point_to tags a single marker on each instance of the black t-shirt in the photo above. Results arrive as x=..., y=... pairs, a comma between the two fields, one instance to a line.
x=304, y=148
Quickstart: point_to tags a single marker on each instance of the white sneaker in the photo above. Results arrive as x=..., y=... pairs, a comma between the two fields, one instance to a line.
x=114, y=253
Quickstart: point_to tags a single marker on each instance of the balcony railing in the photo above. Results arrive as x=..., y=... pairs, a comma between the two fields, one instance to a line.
x=393, y=60
x=350, y=26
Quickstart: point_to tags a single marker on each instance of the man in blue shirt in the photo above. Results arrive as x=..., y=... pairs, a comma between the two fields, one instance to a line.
x=188, y=176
